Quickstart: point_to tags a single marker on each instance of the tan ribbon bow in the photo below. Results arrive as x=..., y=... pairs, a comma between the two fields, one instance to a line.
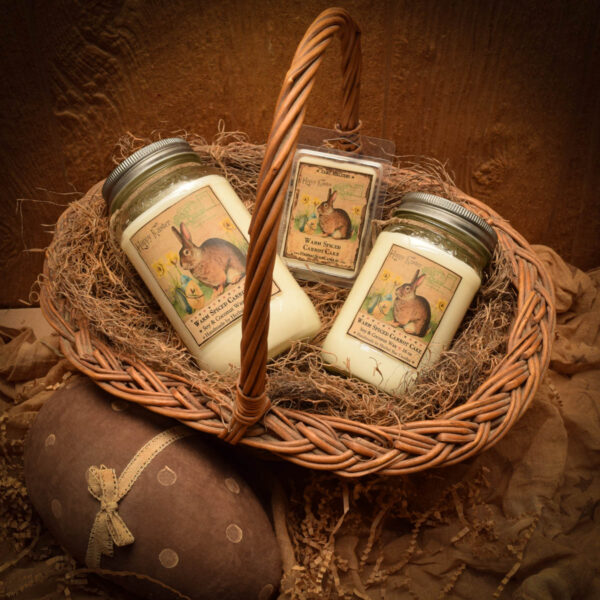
x=109, y=528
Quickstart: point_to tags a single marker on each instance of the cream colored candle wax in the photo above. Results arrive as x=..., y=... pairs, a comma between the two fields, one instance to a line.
x=185, y=232
x=410, y=296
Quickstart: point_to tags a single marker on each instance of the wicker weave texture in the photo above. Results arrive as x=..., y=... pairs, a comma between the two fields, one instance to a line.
x=348, y=448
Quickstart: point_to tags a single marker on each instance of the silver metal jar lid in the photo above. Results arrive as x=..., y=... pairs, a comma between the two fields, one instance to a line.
x=451, y=213
x=141, y=160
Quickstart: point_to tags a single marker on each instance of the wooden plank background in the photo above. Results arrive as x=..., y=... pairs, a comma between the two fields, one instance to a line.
x=504, y=93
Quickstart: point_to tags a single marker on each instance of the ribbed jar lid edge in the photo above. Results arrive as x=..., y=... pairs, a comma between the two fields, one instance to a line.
x=139, y=155
x=474, y=224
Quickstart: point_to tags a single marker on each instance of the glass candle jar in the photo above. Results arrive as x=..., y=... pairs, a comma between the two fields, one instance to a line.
x=185, y=230
x=411, y=294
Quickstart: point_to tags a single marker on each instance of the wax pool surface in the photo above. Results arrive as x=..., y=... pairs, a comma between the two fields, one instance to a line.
x=207, y=316
x=377, y=338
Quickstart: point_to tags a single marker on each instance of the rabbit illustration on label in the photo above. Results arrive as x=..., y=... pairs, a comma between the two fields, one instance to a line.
x=216, y=262
x=412, y=312
x=334, y=222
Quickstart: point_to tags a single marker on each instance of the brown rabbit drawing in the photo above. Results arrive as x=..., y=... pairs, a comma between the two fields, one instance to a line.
x=334, y=222
x=412, y=312
x=215, y=262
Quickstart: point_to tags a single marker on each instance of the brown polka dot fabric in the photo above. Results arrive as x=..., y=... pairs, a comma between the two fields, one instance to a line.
x=198, y=527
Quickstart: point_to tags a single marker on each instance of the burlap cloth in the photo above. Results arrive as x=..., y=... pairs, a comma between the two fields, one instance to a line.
x=521, y=520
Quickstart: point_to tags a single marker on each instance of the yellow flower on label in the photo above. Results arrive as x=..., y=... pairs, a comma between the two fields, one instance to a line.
x=227, y=225
x=305, y=199
x=441, y=305
x=159, y=268
x=356, y=210
x=172, y=257
x=385, y=276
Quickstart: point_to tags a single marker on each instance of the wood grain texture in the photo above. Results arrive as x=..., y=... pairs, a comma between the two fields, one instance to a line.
x=505, y=94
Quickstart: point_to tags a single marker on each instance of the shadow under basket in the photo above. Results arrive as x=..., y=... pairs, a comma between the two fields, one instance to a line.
x=246, y=416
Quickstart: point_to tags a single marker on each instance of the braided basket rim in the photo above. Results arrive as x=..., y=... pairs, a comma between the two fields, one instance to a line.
x=330, y=443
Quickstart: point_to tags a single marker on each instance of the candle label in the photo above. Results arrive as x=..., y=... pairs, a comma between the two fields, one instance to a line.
x=327, y=216
x=197, y=255
x=404, y=305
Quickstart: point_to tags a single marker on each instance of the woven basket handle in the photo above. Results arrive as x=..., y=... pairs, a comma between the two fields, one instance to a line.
x=251, y=400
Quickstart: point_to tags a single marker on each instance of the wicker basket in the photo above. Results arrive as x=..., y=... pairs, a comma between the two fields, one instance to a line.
x=348, y=448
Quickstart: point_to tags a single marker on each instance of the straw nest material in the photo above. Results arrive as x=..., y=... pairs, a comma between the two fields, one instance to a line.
x=93, y=276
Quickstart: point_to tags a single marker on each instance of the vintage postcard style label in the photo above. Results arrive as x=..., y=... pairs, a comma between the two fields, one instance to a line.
x=197, y=255
x=327, y=216
x=404, y=305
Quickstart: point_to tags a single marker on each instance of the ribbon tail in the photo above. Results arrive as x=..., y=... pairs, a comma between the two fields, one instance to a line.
x=100, y=542
x=119, y=532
